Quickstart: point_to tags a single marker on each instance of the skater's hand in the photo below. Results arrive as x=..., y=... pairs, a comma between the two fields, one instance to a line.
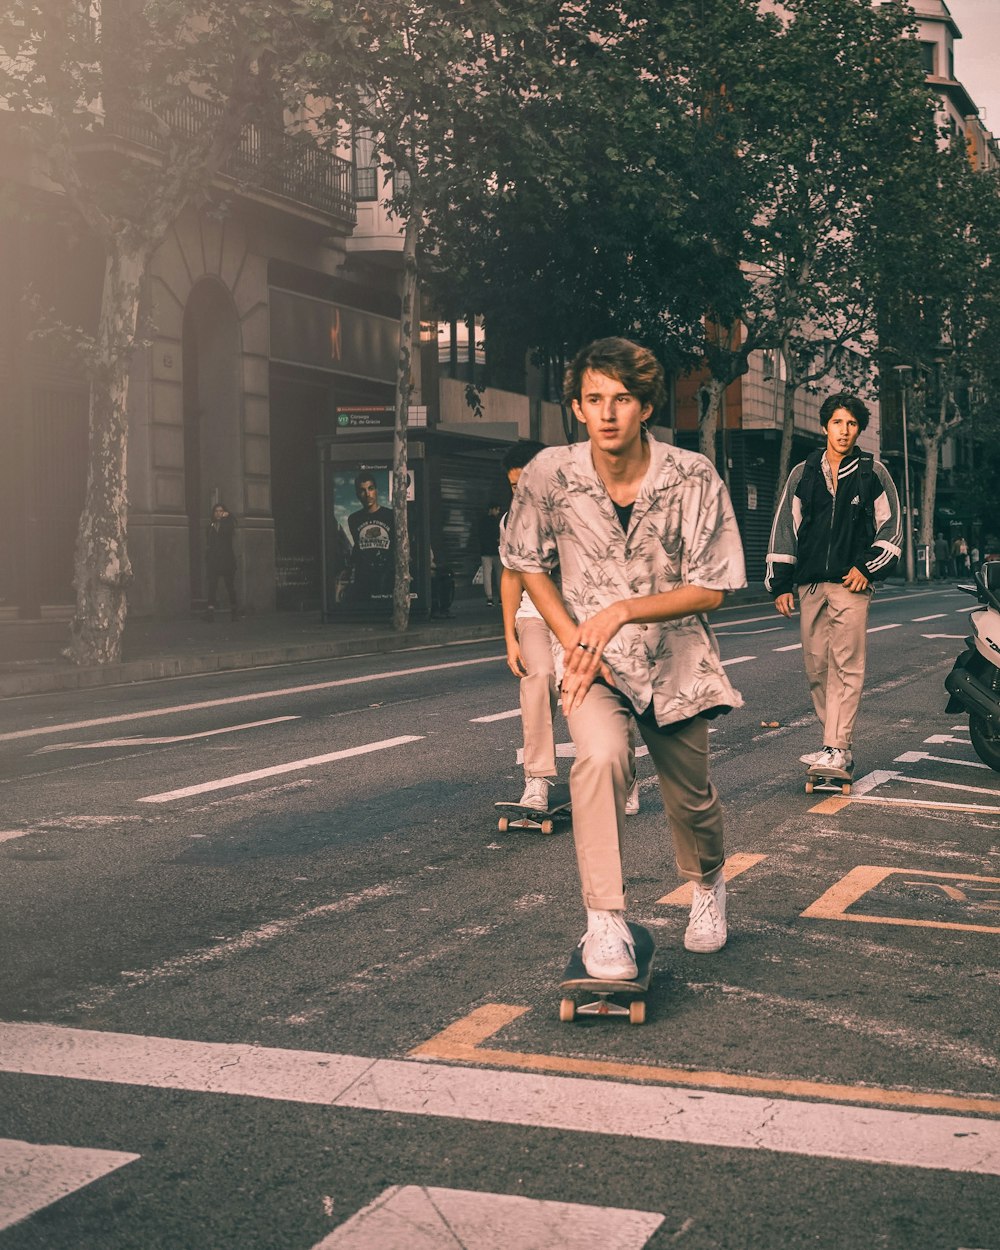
x=785, y=604
x=583, y=657
x=515, y=661
x=855, y=580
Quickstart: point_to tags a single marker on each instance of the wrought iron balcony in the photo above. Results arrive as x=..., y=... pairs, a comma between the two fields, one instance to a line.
x=267, y=158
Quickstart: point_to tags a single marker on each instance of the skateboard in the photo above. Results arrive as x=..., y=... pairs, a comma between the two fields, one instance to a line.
x=601, y=995
x=517, y=816
x=831, y=780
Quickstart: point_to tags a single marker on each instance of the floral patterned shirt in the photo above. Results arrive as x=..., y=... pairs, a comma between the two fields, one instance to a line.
x=682, y=531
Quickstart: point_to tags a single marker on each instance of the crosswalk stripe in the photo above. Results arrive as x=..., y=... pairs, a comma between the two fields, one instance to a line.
x=35, y=1175
x=617, y=1108
x=414, y=1217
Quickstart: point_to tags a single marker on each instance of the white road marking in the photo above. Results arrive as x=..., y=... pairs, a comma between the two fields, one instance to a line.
x=992, y=791
x=245, y=698
x=240, y=943
x=796, y=646
x=869, y=782
x=144, y=742
x=937, y=616
x=6, y=835
x=567, y=751
x=746, y=632
x=910, y=1139
x=415, y=1217
x=914, y=757
x=939, y=738
x=953, y=637
x=35, y=1176
x=276, y=770
x=486, y=720
x=749, y=620
x=739, y=659
x=971, y=608
x=878, y=629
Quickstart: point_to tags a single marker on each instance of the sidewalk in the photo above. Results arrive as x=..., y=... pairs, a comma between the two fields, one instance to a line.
x=31, y=663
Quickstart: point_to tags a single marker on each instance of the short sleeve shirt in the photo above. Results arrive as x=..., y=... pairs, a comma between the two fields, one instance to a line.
x=682, y=531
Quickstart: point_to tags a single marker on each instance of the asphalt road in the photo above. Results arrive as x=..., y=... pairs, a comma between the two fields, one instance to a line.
x=273, y=980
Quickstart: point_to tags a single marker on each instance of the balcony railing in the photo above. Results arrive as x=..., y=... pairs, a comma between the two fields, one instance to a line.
x=291, y=166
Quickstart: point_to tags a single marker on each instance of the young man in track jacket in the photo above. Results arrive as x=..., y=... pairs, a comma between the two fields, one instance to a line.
x=837, y=531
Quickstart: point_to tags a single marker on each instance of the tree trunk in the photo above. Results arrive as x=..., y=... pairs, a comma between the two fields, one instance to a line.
x=408, y=292
x=102, y=571
x=708, y=424
x=791, y=388
x=930, y=441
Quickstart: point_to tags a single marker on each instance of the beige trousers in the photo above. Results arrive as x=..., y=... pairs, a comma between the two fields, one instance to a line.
x=599, y=782
x=538, y=696
x=834, y=623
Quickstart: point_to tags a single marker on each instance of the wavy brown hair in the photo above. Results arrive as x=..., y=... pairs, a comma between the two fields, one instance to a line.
x=634, y=366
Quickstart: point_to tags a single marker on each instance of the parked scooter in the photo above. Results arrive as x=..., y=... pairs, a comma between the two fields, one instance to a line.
x=974, y=682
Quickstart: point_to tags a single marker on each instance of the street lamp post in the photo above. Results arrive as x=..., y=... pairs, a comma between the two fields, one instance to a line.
x=903, y=372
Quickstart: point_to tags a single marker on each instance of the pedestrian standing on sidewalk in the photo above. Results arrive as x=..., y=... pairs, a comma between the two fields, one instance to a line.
x=530, y=658
x=645, y=542
x=220, y=559
x=489, y=551
x=942, y=557
x=836, y=532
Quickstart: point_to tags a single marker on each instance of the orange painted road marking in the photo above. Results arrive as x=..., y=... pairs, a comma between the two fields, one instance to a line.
x=735, y=864
x=461, y=1042
x=862, y=880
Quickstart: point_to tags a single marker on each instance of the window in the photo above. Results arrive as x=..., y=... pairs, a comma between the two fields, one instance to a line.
x=928, y=57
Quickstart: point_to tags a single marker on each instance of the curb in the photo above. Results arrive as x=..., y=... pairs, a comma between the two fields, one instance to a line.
x=51, y=680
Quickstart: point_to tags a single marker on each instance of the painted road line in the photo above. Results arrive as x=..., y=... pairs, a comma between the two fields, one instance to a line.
x=864, y=878
x=486, y=720
x=739, y=659
x=745, y=633
x=971, y=608
x=249, y=697
x=796, y=646
x=878, y=629
x=937, y=616
x=144, y=742
x=735, y=864
x=619, y=1108
x=992, y=791
x=932, y=805
x=239, y=779
x=442, y=1219
x=34, y=1176
x=915, y=757
x=937, y=739
x=463, y=1042
x=567, y=751
x=952, y=637
x=6, y=835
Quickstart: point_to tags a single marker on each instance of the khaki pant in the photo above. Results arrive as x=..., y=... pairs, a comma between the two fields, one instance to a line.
x=834, y=623
x=599, y=782
x=538, y=696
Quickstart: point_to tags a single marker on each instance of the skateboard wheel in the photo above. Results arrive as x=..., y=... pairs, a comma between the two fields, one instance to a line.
x=567, y=1011
x=502, y=824
x=548, y=826
x=637, y=1011
x=845, y=788
x=809, y=787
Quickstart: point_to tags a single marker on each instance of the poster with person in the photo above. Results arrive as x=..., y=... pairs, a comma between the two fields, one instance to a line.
x=364, y=553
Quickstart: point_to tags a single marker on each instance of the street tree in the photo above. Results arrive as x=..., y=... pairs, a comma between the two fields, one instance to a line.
x=172, y=85
x=939, y=275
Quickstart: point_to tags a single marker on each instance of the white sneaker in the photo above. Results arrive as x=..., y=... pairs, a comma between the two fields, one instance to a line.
x=706, y=931
x=816, y=757
x=632, y=799
x=841, y=760
x=536, y=793
x=607, y=948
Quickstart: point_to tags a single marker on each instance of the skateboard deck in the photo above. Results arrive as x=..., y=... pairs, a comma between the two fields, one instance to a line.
x=831, y=780
x=600, y=996
x=517, y=816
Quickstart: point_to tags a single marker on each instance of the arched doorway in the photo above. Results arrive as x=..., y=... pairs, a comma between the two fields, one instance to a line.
x=213, y=460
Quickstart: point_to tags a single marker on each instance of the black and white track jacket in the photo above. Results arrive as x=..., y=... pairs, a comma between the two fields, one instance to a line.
x=817, y=535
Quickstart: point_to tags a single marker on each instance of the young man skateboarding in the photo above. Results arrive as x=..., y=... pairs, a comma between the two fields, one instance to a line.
x=836, y=532
x=530, y=658
x=645, y=541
